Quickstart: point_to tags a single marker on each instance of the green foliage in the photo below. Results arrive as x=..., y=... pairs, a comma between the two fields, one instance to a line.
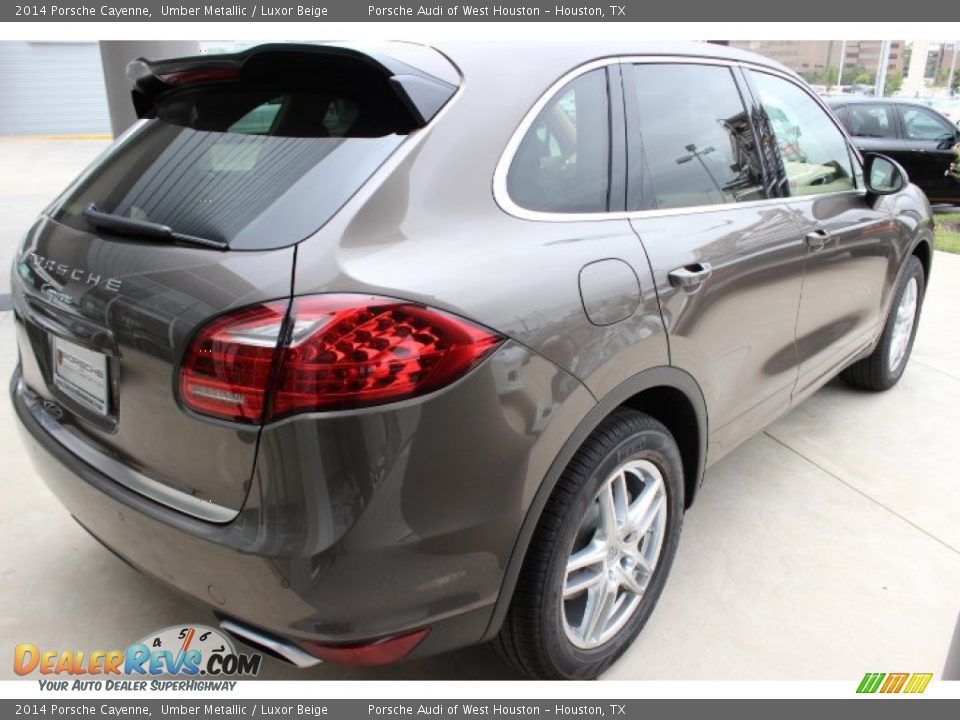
x=821, y=76
x=894, y=83
x=943, y=77
x=954, y=169
x=859, y=75
x=947, y=233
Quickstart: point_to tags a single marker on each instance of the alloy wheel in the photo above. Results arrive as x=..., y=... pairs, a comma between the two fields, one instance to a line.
x=903, y=325
x=615, y=553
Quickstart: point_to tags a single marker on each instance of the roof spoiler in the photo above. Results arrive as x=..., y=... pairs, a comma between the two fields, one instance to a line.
x=420, y=93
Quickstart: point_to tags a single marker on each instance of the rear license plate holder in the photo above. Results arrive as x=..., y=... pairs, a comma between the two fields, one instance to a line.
x=82, y=374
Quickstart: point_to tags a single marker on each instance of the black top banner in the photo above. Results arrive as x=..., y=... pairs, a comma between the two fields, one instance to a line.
x=478, y=11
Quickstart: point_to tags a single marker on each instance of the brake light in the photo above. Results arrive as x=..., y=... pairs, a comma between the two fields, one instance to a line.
x=185, y=77
x=338, y=352
x=381, y=652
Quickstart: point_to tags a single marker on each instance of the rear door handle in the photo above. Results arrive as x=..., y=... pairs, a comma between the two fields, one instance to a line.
x=690, y=276
x=817, y=239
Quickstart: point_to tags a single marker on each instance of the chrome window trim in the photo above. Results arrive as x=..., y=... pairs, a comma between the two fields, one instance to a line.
x=506, y=203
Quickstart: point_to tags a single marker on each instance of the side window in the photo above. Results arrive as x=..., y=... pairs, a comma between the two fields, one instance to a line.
x=697, y=140
x=562, y=164
x=815, y=154
x=922, y=124
x=871, y=121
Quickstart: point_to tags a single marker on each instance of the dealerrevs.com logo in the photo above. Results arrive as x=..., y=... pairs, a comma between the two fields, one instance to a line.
x=190, y=651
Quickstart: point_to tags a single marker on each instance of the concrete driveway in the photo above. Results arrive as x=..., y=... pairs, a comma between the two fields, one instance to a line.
x=824, y=548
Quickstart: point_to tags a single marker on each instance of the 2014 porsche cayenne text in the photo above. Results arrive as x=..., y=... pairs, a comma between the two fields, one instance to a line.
x=392, y=351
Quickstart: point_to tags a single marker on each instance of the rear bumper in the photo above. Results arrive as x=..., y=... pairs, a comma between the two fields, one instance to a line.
x=358, y=526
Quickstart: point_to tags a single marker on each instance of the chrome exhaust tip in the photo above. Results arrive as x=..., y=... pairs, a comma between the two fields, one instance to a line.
x=269, y=644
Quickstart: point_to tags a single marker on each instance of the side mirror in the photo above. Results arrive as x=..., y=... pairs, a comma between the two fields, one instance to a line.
x=882, y=175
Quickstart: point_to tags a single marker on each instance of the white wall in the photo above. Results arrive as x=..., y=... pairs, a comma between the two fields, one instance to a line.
x=49, y=88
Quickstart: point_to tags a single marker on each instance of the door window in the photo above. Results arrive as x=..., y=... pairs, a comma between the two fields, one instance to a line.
x=815, y=155
x=922, y=124
x=697, y=139
x=871, y=121
x=562, y=165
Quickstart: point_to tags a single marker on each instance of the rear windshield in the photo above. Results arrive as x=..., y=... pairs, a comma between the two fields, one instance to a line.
x=256, y=167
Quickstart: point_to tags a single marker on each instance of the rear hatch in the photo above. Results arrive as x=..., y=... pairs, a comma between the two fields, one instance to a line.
x=194, y=212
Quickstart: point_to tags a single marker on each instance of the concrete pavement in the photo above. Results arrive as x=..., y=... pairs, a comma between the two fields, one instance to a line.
x=823, y=548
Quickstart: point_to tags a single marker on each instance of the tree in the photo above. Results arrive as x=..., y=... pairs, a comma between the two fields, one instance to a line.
x=894, y=83
x=830, y=76
x=821, y=76
x=859, y=75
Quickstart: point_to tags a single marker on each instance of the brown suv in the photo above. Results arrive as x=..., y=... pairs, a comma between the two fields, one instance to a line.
x=383, y=353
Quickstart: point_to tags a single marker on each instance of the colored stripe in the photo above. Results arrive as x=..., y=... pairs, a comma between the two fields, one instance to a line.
x=870, y=682
x=918, y=682
x=894, y=682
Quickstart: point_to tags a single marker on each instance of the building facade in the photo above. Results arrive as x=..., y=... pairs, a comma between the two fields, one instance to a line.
x=809, y=57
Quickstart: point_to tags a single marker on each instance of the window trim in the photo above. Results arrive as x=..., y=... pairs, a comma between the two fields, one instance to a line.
x=752, y=106
x=505, y=202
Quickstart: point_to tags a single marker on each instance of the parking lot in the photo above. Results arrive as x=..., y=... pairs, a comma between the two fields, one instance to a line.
x=826, y=547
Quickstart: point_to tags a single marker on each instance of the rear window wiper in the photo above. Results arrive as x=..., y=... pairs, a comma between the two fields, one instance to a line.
x=128, y=226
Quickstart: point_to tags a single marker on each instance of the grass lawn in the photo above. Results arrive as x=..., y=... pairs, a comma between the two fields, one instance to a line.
x=947, y=233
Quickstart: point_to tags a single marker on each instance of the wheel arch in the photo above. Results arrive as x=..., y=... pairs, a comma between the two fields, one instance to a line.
x=667, y=394
x=924, y=253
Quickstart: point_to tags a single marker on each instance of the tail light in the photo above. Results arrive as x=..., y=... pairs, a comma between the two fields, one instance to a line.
x=333, y=352
x=228, y=366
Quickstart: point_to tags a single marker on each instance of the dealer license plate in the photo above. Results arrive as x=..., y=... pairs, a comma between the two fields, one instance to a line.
x=82, y=374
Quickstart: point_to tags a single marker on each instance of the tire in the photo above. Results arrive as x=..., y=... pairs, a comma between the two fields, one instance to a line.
x=546, y=637
x=877, y=371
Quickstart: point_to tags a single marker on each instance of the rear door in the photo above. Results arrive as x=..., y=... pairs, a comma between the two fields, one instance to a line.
x=251, y=155
x=875, y=127
x=726, y=259
x=850, y=244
